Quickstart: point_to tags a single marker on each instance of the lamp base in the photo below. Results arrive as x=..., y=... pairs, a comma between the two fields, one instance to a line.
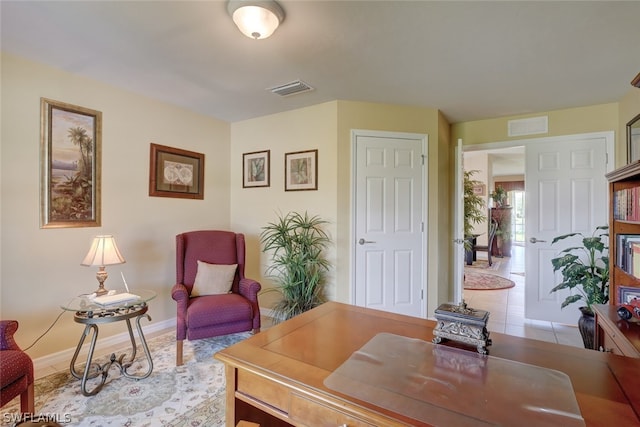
x=101, y=276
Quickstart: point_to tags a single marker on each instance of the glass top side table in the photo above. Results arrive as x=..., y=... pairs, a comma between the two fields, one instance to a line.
x=91, y=314
x=84, y=303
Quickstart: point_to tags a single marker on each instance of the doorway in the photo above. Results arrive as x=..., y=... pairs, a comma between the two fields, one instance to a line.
x=586, y=154
x=517, y=198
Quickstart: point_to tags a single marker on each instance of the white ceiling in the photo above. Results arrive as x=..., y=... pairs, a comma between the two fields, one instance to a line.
x=471, y=60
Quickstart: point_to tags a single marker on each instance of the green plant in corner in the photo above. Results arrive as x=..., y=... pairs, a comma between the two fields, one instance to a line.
x=296, y=243
x=499, y=196
x=589, y=276
x=473, y=206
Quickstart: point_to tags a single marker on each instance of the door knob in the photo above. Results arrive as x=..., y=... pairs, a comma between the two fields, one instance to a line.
x=362, y=241
x=534, y=240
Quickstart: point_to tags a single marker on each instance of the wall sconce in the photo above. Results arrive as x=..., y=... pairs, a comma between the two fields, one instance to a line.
x=103, y=252
x=256, y=19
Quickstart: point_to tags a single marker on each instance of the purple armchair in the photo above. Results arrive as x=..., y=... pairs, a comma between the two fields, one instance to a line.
x=16, y=369
x=212, y=315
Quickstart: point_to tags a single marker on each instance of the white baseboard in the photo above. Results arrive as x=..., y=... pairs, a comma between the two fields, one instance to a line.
x=64, y=356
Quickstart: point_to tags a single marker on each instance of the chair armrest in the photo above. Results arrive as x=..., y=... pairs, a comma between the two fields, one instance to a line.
x=249, y=289
x=7, y=329
x=179, y=292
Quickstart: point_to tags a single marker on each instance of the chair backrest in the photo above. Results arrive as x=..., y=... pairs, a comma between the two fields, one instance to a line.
x=210, y=246
x=493, y=228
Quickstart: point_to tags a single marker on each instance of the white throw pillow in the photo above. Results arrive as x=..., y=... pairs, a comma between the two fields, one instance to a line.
x=213, y=279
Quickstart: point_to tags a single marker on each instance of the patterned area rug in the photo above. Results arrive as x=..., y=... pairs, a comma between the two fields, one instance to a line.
x=483, y=264
x=485, y=281
x=189, y=395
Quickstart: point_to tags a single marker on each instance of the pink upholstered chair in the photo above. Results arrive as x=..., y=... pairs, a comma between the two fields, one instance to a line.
x=212, y=315
x=16, y=369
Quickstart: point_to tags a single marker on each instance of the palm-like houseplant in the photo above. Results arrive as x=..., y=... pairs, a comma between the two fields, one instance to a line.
x=296, y=242
x=586, y=276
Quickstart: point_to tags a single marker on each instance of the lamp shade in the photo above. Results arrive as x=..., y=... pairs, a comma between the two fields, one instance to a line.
x=256, y=19
x=103, y=251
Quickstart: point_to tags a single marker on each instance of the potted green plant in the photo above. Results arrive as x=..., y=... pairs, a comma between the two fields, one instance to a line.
x=473, y=207
x=585, y=272
x=499, y=196
x=296, y=242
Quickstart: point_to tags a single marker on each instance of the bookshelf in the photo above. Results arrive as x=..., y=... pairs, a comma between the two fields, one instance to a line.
x=613, y=334
x=624, y=219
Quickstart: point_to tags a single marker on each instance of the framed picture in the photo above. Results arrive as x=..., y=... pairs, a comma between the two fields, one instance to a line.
x=256, y=169
x=633, y=139
x=70, y=150
x=626, y=294
x=301, y=170
x=176, y=173
x=480, y=189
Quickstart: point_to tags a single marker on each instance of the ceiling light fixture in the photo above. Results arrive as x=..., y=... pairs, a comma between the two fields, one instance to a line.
x=256, y=19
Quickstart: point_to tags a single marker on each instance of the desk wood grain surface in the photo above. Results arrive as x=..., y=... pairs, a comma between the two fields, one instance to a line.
x=277, y=376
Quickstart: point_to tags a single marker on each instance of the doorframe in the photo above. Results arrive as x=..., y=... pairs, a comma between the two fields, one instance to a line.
x=609, y=137
x=424, y=138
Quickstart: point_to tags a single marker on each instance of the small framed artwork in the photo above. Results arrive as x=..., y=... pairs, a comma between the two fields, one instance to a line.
x=256, y=169
x=627, y=293
x=480, y=189
x=70, y=153
x=301, y=170
x=174, y=172
x=633, y=139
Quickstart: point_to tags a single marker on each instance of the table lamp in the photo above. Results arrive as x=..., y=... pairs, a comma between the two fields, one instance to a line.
x=103, y=252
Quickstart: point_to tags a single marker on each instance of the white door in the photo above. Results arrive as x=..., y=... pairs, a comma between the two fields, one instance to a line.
x=389, y=237
x=566, y=192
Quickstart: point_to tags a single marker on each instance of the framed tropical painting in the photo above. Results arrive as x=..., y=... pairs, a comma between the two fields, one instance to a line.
x=70, y=154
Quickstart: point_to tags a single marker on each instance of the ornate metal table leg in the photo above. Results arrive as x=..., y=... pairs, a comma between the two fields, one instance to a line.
x=124, y=367
x=87, y=368
x=91, y=319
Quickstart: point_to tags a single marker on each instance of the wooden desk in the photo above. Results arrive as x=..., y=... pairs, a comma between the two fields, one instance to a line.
x=277, y=377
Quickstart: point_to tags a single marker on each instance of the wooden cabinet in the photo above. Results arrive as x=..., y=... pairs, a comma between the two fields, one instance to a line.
x=615, y=335
x=502, y=243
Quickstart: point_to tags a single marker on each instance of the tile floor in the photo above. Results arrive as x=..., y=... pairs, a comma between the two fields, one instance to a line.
x=506, y=307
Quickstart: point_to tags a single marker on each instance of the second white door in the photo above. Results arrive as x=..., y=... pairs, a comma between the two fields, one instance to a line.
x=566, y=192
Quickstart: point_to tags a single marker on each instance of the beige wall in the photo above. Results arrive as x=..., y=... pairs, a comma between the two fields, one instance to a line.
x=328, y=127
x=397, y=118
x=253, y=208
x=628, y=108
x=40, y=268
x=595, y=118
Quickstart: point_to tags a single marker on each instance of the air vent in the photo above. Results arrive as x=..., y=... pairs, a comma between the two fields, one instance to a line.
x=291, y=88
x=531, y=126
